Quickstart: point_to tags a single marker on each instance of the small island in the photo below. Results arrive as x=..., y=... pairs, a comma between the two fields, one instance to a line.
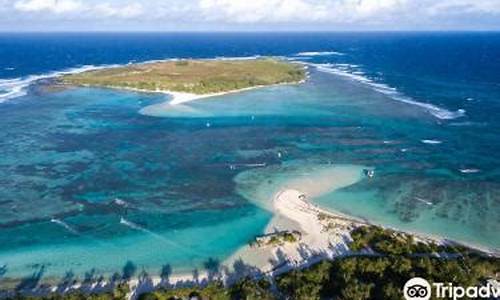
x=192, y=79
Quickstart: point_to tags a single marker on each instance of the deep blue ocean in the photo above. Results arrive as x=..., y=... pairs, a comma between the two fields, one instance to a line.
x=89, y=181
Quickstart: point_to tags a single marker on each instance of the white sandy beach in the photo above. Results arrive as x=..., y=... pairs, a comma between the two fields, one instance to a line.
x=294, y=212
x=180, y=98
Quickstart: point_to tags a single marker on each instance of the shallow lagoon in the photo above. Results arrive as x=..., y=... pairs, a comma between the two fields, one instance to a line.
x=112, y=184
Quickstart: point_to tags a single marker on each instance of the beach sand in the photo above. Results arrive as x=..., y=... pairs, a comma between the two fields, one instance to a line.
x=322, y=238
x=294, y=212
x=181, y=98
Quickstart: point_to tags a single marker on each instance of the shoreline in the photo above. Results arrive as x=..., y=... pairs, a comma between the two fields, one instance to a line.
x=292, y=211
x=181, y=98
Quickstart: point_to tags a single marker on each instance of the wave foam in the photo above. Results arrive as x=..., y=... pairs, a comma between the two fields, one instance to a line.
x=120, y=202
x=138, y=227
x=16, y=87
x=346, y=70
x=132, y=225
x=432, y=142
x=468, y=123
x=427, y=202
x=318, y=53
x=65, y=225
x=469, y=171
x=235, y=57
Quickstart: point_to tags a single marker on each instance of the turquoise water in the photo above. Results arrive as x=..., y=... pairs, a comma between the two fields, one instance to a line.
x=98, y=161
x=92, y=179
x=311, y=177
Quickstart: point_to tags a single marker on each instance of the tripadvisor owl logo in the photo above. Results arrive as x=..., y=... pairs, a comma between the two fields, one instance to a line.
x=417, y=289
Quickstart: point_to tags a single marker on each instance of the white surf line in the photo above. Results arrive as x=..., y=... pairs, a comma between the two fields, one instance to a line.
x=431, y=142
x=65, y=225
x=121, y=202
x=256, y=165
x=319, y=53
x=424, y=201
x=469, y=171
x=137, y=227
x=16, y=87
x=393, y=93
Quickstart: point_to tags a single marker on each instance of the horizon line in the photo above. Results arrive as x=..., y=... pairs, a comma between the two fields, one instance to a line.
x=261, y=31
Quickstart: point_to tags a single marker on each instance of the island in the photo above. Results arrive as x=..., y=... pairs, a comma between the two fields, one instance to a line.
x=192, y=79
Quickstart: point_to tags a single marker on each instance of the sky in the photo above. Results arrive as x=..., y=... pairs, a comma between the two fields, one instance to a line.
x=248, y=15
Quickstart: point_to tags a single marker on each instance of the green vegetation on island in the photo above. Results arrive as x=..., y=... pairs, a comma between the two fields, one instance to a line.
x=277, y=238
x=192, y=76
x=380, y=273
x=396, y=258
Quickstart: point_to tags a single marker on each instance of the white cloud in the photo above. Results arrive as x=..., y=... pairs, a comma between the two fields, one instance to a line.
x=465, y=6
x=366, y=8
x=321, y=14
x=261, y=10
x=99, y=10
x=54, y=6
x=294, y=11
x=122, y=11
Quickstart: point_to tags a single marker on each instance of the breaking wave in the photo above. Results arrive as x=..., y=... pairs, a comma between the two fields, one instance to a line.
x=432, y=142
x=132, y=225
x=16, y=87
x=140, y=228
x=235, y=57
x=346, y=70
x=469, y=171
x=318, y=53
x=65, y=225
x=120, y=202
